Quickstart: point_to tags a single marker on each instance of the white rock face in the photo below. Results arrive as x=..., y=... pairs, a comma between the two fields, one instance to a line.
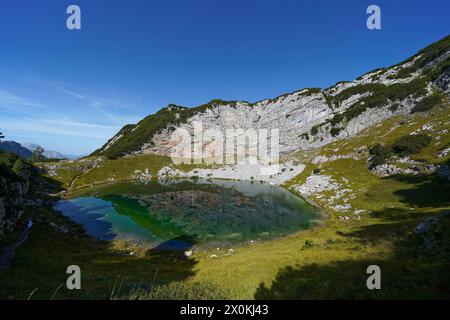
x=276, y=175
x=293, y=115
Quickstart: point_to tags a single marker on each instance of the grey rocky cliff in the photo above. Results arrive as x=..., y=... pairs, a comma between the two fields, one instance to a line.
x=292, y=115
x=22, y=190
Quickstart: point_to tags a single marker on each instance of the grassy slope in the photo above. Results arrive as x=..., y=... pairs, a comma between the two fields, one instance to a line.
x=331, y=265
x=121, y=169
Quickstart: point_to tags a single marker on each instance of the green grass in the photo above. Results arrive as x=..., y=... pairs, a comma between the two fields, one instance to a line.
x=73, y=176
x=121, y=169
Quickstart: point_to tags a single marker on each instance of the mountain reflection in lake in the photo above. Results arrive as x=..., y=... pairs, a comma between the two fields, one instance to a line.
x=213, y=211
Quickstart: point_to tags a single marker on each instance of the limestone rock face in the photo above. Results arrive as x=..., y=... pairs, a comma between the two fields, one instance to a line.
x=292, y=115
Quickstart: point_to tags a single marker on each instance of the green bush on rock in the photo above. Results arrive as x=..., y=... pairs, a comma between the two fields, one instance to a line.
x=380, y=154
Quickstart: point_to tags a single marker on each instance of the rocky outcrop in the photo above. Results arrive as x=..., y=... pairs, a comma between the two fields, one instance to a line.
x=13, y=196
x=387, y=170
x=17, y=148
x=21, y=190
x=444, y=172
x=430, y=230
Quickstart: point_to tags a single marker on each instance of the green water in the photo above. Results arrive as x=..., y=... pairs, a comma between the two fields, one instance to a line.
x=178, y=213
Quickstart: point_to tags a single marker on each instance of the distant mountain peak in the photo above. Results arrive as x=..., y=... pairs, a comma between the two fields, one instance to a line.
x=17, y=148
x=50, y=154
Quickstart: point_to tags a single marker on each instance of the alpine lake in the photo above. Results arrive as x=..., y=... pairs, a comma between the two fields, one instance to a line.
x=178, y=214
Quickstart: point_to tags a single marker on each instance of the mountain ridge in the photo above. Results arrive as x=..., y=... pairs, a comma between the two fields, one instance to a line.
x=316, y=116
x=15, y=147
x=25, y=150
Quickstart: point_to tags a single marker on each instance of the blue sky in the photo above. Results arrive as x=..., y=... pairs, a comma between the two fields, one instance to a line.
x=72, y=90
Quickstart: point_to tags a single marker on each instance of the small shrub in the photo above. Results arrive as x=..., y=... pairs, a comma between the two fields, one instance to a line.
x=336, y=119
x=394, y=107
x=308, y=244
x=380, y=155
x=411, y=144
x=316, y=171
x=335, y=131
x=314, y=130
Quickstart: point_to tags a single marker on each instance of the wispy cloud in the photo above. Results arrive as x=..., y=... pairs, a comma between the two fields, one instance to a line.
x=60, y=127
x=101, y=105
x=48, y=111
x=70, y=123
x=9, y=99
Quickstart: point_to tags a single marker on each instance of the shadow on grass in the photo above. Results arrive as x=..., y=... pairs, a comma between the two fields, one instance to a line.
x=426, y=191
x=407, y=271
x=106, y=272
x=400, y=279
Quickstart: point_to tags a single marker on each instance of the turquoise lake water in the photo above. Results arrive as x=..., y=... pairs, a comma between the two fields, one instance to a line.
x=176, y=214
